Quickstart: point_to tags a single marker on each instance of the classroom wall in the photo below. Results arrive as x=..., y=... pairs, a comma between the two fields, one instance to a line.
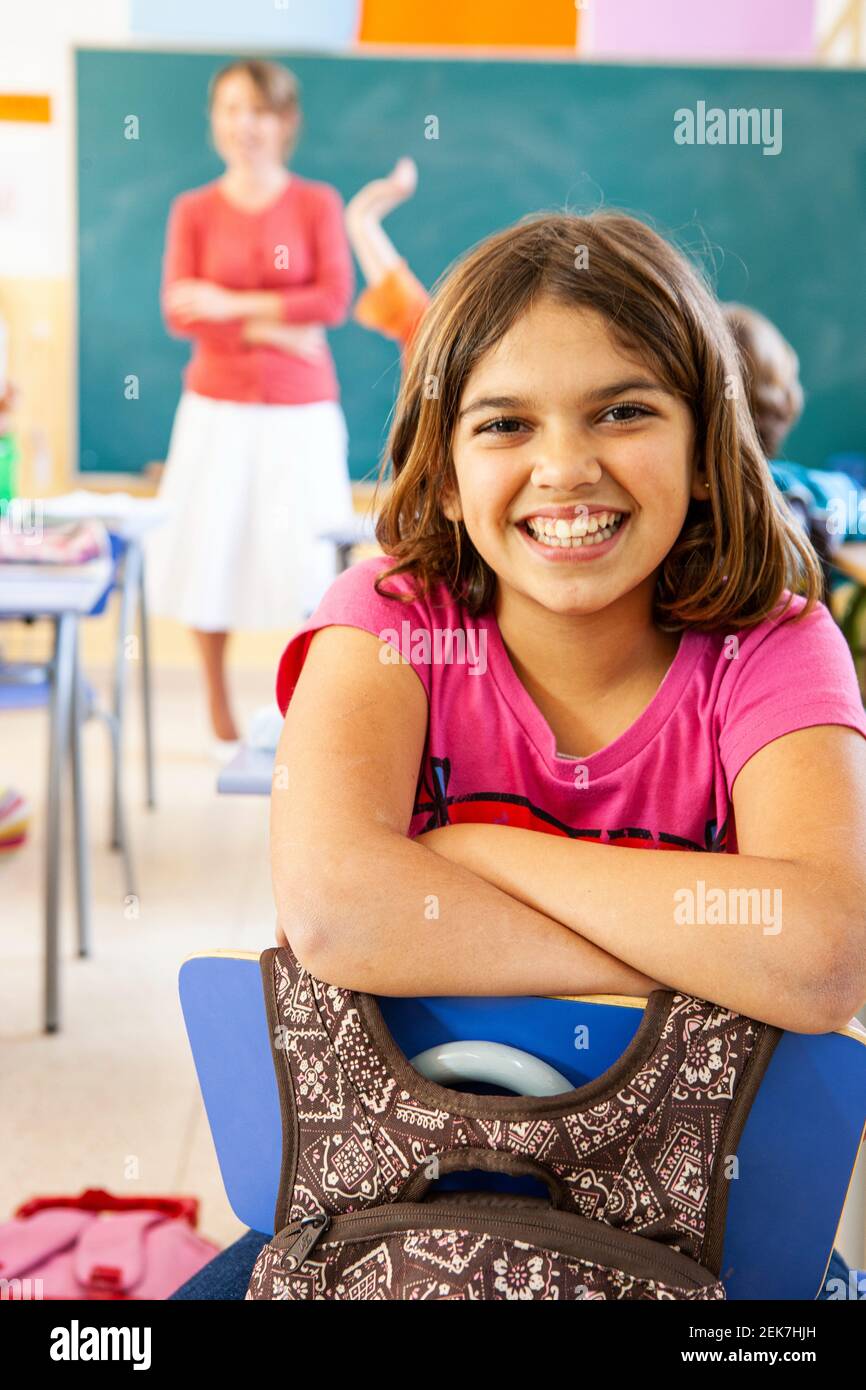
x=37, y=165
x=735, y=31
x=38, y=314
x=36, y=209
x=36, y=204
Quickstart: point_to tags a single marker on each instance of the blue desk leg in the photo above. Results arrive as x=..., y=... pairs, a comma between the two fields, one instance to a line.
x=150, y=781
x=63, y=669
x=82, y=863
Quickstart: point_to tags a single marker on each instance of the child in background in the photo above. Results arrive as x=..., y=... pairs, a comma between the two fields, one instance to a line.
x=771, y=372
x=395, y=300
x=771, y=375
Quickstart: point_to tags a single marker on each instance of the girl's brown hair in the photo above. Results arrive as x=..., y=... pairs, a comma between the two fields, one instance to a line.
x=737, y=551
x=276, y=85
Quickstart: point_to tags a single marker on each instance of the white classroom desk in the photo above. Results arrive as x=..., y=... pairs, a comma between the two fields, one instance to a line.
x=32, y=591
x=130, y=518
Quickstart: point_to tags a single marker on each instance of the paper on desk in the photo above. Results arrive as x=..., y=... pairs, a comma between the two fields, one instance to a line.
x=106, y=506
x=58, y=545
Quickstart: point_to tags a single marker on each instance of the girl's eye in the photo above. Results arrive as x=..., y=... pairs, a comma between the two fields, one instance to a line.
x=626, y=412
x=491, y=427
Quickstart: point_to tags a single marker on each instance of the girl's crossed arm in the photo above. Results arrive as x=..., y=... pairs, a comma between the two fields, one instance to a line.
x=363, y=906
x=777, y=931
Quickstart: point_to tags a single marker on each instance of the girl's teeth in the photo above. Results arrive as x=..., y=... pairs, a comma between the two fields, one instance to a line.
x=591, y=530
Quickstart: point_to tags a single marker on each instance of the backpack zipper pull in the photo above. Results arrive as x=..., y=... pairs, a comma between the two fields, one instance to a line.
x=307, y=1231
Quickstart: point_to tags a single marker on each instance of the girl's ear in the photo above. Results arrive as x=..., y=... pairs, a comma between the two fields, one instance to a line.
x=700, y=489
x=451, y=505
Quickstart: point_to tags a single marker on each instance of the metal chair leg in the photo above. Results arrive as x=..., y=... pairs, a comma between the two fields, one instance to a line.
x=146, y=690
x=121, y=824
x=121, y=828
x=124, y=626
x=62, y=675
x=82, y=864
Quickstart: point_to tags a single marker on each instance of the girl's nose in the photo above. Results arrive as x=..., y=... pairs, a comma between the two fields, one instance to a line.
x=565, y=461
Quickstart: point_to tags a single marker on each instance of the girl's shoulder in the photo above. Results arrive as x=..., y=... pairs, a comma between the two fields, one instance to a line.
x=791, y=671
x=789, y=631
x=791, y=654
x=356, y=591
x=395, y=616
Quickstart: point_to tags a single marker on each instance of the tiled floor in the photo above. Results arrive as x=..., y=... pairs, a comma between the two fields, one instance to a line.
x=112, y=1101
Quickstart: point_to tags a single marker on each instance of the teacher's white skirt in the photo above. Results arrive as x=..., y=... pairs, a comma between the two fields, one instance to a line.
x=249, y=489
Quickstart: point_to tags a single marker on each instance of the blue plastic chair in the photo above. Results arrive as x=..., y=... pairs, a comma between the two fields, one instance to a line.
x=796, y=1155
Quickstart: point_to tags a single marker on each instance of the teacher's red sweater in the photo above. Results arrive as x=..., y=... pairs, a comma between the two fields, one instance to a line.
x=296, y=245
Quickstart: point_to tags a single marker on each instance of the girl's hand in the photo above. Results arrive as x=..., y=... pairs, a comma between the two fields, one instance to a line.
x=404, y=176
x=381, y=196
x=306, y=340
x=201, y=299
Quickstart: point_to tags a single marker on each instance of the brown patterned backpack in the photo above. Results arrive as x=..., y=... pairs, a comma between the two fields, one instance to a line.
x=634, y=1161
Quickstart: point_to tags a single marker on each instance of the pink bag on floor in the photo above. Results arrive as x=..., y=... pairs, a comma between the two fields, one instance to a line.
x=68, y=1248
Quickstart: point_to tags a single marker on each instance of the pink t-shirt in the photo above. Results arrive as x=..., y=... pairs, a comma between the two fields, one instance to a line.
x=665, y=783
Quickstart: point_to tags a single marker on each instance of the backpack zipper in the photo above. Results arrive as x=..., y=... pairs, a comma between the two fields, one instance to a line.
x=306, y=1233
x=563, y=1233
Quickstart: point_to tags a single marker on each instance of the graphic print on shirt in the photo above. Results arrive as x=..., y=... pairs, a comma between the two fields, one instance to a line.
x=508, y=808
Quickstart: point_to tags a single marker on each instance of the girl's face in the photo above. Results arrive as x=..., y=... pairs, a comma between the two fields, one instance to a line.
x=574, y=463
x=245, y=132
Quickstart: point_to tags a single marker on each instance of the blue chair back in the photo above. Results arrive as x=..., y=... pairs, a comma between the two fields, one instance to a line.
x=796, y=1154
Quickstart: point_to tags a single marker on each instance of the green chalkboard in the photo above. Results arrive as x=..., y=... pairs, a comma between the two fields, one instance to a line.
x=785, y=232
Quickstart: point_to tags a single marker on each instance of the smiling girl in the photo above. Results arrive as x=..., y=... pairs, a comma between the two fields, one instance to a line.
x=577, y=480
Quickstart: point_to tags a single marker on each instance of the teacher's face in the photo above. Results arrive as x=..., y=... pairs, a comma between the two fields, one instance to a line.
x=245, y=132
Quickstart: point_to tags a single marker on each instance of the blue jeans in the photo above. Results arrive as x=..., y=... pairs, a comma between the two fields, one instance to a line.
x=228, y=1274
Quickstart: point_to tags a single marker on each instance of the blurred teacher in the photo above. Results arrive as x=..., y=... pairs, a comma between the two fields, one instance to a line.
x=256, y=266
